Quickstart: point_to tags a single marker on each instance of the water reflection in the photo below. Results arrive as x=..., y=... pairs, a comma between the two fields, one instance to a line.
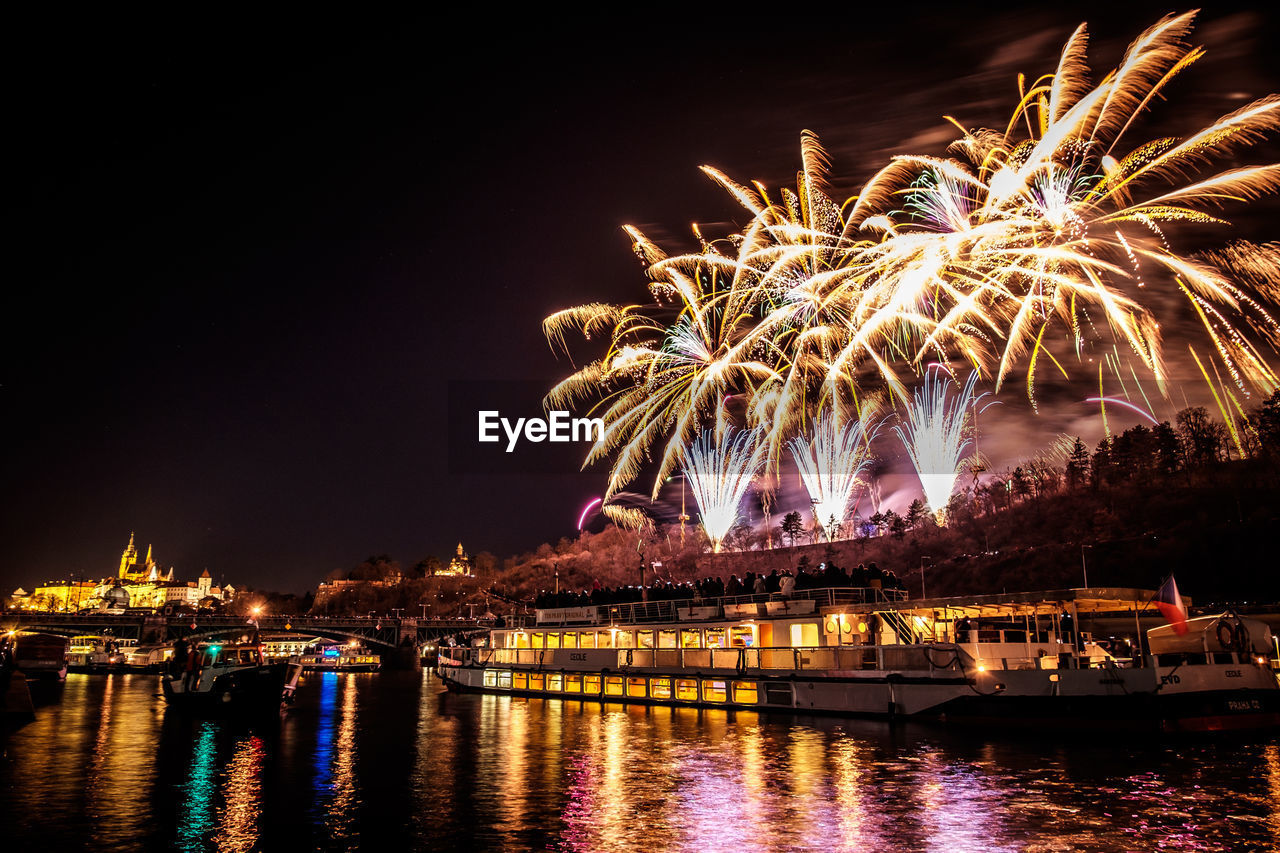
x=336, y=755
x=385, y=762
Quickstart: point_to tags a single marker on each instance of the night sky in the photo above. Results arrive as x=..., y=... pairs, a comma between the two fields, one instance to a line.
x=255, y=260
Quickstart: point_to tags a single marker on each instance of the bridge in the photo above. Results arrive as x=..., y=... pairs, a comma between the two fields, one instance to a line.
x=381, y=632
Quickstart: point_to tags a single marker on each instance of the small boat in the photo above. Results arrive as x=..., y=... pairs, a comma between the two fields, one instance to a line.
x=153, y=657
x=230, y=678
x=1025, y=659
x=40, y=655
x=341, y=658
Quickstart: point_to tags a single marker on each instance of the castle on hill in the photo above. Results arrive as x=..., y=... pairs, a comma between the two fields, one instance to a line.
x=137, y=583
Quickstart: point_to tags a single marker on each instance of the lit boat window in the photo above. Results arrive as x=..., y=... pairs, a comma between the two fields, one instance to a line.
x=687, y=689
x=553, y=640
x=744, y=692
x=573, y=684
x=519, y=681
x=536, y=681
x=713, y=691
x=490, y=678
x=691, y=638
x=504, y=680
x=637, y=687
x=644, y=639
x=613, y=685
x=716, y=638
x=667, y=638
x=660, y=688
x=624, y=640
x=804, y=635
x=554, y=681
x=570, y=640
x=591, y=684
x=538, y=640
x=587, y=640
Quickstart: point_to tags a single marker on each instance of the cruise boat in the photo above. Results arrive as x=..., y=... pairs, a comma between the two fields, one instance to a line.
x=341, y=657
x=231, y=677
x=1034, y=659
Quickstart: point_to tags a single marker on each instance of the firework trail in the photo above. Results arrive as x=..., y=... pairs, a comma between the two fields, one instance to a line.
x=719, y=467
x=935, y=435
x=832, y=462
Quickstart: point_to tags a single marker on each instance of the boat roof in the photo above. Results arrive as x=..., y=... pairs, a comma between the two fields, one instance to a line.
x=1083, y=600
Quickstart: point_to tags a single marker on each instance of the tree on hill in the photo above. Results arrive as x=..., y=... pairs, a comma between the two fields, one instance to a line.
x=1077, y=470
x=792, y=526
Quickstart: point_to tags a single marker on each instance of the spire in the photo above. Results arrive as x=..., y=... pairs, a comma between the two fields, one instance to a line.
x=460, y=551
x=130, y=548
x=148, y=561
x=205, y=574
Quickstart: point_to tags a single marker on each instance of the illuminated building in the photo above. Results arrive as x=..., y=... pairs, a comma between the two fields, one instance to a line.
x=460, y=566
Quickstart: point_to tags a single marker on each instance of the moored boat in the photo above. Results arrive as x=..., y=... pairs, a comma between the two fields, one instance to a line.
x=341, y=657
x=230, y=678
x=1017, y=659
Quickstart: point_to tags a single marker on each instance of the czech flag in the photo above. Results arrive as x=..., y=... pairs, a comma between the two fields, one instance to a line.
x=1171, y=606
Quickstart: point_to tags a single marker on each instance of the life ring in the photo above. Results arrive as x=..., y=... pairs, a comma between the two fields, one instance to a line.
x=1227, y=640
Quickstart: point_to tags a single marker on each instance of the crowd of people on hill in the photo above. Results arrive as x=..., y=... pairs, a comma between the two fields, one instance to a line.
x=783, y=583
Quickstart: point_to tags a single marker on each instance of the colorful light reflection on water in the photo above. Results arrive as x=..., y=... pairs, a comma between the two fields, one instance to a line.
x=374, y=761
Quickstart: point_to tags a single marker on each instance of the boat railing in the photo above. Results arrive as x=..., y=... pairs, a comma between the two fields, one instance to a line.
x=722, y=607
x=926, y=657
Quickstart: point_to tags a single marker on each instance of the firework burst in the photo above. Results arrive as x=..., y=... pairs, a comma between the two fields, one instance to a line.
x=935, y=434
x=832, y=461
x=719, y=467
x=1041, y=241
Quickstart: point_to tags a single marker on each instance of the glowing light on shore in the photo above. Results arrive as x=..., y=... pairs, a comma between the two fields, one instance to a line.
x=719, y=466
x=935, y=435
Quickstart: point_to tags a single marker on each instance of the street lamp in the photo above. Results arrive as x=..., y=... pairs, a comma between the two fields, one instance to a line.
x=922, y=559
x=1084, y=567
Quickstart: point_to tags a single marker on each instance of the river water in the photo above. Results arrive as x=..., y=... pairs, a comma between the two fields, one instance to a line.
x=379, y=761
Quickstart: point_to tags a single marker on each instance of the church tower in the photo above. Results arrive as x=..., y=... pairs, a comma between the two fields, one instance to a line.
x=129, y=558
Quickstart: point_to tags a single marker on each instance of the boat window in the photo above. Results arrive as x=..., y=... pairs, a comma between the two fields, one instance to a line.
x=744, y=692
x=569, y=640
x=644, y=639
x=519, y=681
x=553, y=640
x=667, y=638
x=573, y=684
x=504, y=679
x=555, y=681
x=637, y=687
x=804, y=635
x=587, y=640
x=691, y=638
x=713, y=691
x=536, y=681
x=742, y=635
x=716, y=638
x=613, y=685
x=538, y=640
x=591, y=684
x=687, y=689
x=660, y=688
x=624, y=640
x=521, y=640
x=490, y=678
